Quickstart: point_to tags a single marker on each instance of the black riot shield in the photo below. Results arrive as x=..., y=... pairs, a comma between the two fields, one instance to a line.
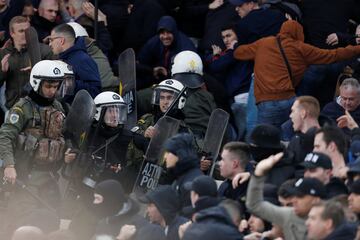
x=127, y=76
x=33, y=45
x=79, y=118
x=151, y=169
x=214, y=135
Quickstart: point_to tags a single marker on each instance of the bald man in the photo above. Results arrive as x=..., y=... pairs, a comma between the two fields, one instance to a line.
x=46, y=18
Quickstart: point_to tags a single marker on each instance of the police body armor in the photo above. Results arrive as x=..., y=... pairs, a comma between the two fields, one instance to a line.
x=42, y=138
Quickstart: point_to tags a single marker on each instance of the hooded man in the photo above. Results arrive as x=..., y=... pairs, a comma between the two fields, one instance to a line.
x=182, y=163
x=280, y=63
x=162, y=208
x=155, y=56
x=114, y=209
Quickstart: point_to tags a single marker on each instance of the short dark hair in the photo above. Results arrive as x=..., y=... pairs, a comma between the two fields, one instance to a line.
x=332, y=210
x=66, y=31
x=285, y=189
x=230, y=26
x=233, y=208
x=241, y=150
x=334, y=134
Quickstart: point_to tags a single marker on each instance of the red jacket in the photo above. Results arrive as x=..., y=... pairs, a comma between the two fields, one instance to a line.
x=272, y=80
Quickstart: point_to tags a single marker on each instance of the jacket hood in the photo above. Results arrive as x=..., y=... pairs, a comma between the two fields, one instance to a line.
x=78, y=46
x=181, y=145
x=168, y=23
x=343, y=232
x=214, y=214
x=292, y=29
x=166, y=200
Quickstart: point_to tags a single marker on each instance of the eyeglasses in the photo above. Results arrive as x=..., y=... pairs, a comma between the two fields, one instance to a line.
x=51, y=39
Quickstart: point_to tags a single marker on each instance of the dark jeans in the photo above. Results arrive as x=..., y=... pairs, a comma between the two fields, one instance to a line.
x=274, y=112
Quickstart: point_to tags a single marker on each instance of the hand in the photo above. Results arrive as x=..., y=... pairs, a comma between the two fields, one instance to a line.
x=253, y=236
x=240, y=178
x=332, y=39
x=215, y=4
x=183, y=228
x=232, y=44
x=216, y=49
x=5, y=63
x=10, y=174
x=243, y=225
x=346, y=121
x=126, y=232
x=157, y=71
x=69, y=156
x=25, y=69
x=265, y=165
x=89, y=10
x=150, y=132
x=205, y=164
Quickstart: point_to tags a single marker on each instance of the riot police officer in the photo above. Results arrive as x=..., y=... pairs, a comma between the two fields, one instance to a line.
x=32, y=146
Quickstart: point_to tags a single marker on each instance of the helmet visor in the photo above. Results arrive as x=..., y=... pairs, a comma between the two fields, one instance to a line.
x=163, y=98
x=115, y=114
x=67, y=86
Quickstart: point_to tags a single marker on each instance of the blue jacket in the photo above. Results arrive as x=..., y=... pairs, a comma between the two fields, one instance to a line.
x=234, y=74
x=152, y=53
x=85, y=69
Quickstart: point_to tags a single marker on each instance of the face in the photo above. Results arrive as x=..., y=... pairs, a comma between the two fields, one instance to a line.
x=244, y=9
x=28, y=12
x=317, y=227
x=2, y=3
x=153, y=213
x=98, y=198
x=166, y=98
x=303, y=204
x=349, y=98
x=256, y=224
x=227, y=164
x=48, y=89
x=354, y=202
x=111, y=117
x=170, y=159
x=296, y=116
x=49, y=11
x=228, y=36
x=286, y=202
x=18, y=33
x=319, y=173
x=320, y=145
x=166, y=38
x=55, y=42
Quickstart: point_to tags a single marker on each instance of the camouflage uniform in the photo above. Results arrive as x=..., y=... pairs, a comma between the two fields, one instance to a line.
x=31, y=139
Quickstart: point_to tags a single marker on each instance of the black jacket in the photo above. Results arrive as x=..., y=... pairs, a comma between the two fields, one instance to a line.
x=43, y=26
x=142, y=23
x=343, y=232
x=212, y=224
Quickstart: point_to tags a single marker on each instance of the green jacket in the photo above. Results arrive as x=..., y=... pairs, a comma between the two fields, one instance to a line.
x=14, y=78
x=198, y=107
x=20, y=117
x=108, y=80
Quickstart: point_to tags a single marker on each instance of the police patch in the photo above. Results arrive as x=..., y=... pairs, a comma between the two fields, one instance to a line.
x=14, y=118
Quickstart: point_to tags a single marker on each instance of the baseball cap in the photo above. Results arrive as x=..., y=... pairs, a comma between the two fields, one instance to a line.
x=355, y=187
x=202, y=185
x=309, y=186
x=316, y=159
x=240, y=2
